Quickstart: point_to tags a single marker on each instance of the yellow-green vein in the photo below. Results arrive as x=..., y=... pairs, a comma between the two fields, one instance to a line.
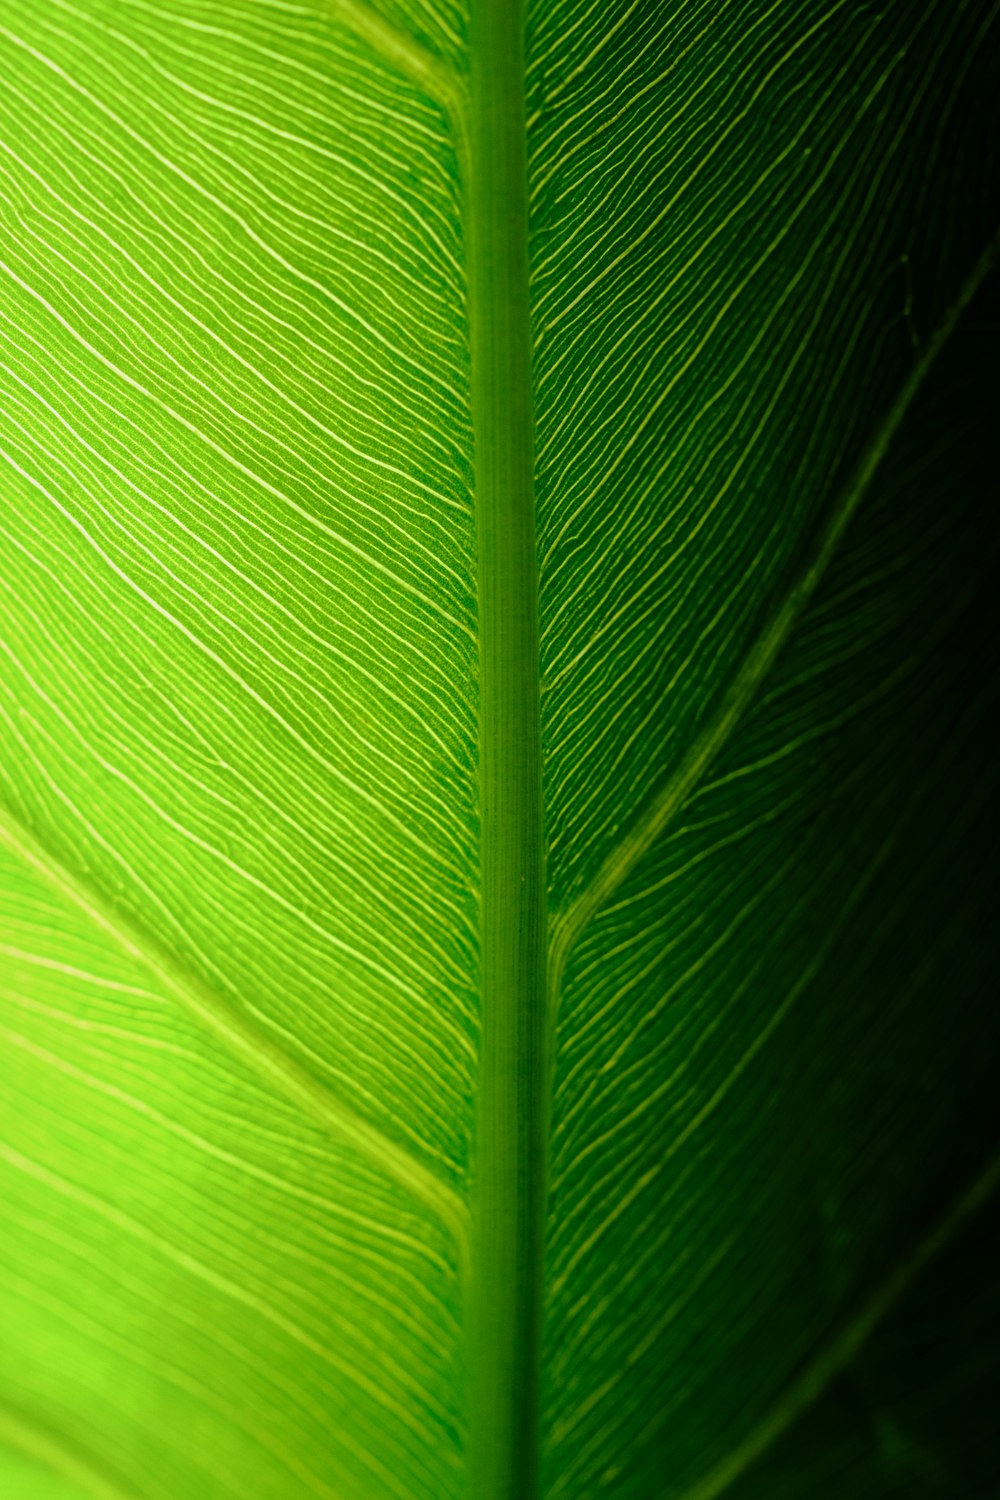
x=54, y=1452
x=623, y=859
x=237, y=1032
x=404, y=53
x=840, y=1351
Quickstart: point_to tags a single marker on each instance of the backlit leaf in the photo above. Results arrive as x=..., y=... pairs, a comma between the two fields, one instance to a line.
x=331, y=1164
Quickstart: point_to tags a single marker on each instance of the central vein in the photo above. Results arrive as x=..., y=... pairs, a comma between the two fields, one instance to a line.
x=509, y=1173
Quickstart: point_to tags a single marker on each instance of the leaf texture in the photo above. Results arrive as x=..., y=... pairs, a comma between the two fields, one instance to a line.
x=241, y=655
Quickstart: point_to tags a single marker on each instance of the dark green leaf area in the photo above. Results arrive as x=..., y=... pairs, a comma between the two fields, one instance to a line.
x=744, y=231
x=915, y=1419
x=775, y=1102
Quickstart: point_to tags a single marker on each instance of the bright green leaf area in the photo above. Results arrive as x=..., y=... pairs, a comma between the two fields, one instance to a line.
x=496, y=808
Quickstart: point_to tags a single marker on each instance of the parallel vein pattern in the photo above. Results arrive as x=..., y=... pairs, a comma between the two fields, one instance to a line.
x=753, y=231
x=763, y=653
x=253, y=1048
x=23, y=1437
x=255, y=258
x=237, y=743
x=842, y=1351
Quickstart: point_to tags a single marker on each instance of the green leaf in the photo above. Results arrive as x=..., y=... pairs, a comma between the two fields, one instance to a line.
x=496, y=827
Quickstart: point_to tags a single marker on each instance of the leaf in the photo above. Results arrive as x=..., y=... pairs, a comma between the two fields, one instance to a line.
x=495, y=796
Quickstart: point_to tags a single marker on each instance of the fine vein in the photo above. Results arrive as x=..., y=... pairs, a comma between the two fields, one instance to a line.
x=838, y=1354
x=406, y=55
x=28, y=1437
x=241, y=1037
x=761, y=657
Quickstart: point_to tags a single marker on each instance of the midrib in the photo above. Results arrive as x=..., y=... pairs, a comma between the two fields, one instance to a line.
x=504, y=1315
x=505, y=1281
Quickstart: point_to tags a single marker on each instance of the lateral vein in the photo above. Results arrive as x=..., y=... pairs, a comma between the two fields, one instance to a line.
x=27, y=1436
x=415, y=62
x=243, y=1039
x=840, y=1351
x=567, y=926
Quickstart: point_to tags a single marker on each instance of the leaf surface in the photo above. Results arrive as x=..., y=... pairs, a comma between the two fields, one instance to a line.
x=246, y=705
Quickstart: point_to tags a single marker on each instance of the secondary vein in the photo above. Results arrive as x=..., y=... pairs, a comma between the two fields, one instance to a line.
x=242, y=1038
x=840, y=1351
x=26, y=1436
x=404, y=53
x=763, y=653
